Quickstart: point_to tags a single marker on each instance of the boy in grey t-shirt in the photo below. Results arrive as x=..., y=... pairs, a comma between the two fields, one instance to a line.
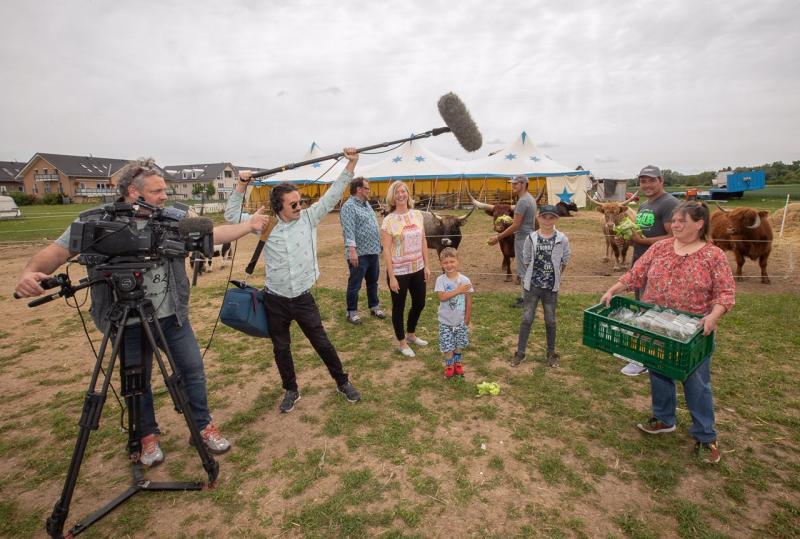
x=455, y=309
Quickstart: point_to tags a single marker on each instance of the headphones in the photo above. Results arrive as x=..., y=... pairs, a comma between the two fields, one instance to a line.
x=276, y=196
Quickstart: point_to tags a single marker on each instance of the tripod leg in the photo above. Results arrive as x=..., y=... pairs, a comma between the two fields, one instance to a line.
x=89, y=421
x=180, y=399
x=134, y=379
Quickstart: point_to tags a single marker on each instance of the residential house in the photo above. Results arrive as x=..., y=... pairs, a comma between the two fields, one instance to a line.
x=76, y=178
x=9, y=183
x=181, y=179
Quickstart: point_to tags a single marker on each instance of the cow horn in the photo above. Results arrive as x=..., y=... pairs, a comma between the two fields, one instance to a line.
x=633, y=196
x=757, y=223
x=480, y=205
x=539, y=196
x=434, y=214
x=726, y=210
x=463, y=218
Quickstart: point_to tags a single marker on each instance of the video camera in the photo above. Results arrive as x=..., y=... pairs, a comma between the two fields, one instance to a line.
x=138, y=230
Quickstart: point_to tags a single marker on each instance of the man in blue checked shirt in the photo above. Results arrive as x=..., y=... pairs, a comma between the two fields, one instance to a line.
x=362, y=249
x=291, y=259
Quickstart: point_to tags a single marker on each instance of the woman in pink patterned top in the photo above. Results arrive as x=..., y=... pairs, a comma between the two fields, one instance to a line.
x=405, y=254
x=685, y=272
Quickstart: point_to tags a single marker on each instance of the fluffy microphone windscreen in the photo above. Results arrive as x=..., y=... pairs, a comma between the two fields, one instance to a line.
x=196, y=225
x=457, y=118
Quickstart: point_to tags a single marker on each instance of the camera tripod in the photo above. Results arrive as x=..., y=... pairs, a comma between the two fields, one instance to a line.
x=130, y=305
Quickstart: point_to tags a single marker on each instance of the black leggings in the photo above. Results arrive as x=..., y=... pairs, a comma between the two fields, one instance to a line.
x=414, y=283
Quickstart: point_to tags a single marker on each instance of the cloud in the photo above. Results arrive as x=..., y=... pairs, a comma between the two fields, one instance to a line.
x=605, y=159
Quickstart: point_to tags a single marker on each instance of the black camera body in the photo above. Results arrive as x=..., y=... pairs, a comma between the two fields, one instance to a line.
x=105, y=234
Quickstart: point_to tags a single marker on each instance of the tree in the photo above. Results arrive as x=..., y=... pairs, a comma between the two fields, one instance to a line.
x=204, y=190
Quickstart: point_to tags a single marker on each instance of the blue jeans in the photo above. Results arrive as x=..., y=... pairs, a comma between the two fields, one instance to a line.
x=369, y=268
x=697, y=390
x=186, y=354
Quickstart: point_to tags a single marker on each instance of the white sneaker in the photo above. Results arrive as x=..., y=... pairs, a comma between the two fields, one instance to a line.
x=151, y=454
x=407, y=351
x=632, y=369
x=416, y=340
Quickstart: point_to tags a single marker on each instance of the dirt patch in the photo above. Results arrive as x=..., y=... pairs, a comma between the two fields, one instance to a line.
x=61, y=363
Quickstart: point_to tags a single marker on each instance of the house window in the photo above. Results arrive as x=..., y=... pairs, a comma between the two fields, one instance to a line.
x=220, y=185
x=46, y=187
x=228, y=174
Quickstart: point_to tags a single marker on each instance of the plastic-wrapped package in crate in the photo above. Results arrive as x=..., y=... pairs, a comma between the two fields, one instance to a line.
x=666, y=341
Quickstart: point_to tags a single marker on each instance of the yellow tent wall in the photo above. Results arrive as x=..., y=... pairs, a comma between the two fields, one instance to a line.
x=445, y=190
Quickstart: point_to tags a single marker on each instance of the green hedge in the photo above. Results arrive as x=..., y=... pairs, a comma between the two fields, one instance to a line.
x=22, y=199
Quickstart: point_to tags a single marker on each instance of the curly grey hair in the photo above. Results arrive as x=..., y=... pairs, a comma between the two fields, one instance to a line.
x=135, y=172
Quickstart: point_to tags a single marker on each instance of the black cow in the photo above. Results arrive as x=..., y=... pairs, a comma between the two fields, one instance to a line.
x=564, y=209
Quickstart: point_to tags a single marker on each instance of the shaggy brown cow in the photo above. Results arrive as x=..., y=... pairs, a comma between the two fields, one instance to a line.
x=746, y=232
x=613, y=213
x=498, y=212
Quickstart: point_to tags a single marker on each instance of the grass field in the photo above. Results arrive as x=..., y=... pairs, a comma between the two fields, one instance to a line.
x=42, y=222
x=48, y=222
x=556, y=454
x=770, y=198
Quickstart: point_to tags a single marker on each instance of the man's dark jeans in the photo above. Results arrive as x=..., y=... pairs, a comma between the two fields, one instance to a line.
x=188, y=360
x=280, y=313
x=368, y=269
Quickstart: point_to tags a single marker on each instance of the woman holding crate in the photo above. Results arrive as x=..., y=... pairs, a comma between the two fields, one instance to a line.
x=688, y=273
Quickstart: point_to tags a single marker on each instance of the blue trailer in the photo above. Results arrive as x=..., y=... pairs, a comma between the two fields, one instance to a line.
x=734, y=184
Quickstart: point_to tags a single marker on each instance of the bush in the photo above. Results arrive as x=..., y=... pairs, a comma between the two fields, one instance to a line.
x=52, y=199
x=22, y=199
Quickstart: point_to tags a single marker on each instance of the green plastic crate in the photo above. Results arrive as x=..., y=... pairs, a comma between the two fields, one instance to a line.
x=664, y=355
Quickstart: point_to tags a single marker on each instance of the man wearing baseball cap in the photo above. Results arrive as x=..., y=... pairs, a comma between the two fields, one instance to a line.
x=654, y=217
x=524, y=223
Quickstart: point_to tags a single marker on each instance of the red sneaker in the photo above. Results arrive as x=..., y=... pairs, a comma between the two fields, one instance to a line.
x=448, y=371
x=459, y=369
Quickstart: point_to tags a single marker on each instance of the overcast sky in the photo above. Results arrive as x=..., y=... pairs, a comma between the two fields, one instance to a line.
x=612, y=85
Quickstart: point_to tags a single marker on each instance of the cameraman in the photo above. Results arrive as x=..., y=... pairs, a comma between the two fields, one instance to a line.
x=291, y=260
x=167, y=286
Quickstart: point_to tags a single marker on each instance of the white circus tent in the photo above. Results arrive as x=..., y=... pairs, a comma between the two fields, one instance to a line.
x=523, y=157
x=412, y=161
x=308, y=174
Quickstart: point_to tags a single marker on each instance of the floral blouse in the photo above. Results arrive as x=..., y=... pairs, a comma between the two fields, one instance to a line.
x=408, y=240
x=693, y=283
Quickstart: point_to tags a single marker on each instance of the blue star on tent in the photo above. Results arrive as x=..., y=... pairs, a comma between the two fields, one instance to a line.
x=397, y=159
x=511, y=157
x=565, y=196
x=419, y=159
x=316, y=165
x=534, y=158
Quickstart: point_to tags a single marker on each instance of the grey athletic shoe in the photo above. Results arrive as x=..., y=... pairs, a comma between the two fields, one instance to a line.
x=517, y=359
x=287, y=404
x=552, y=359
x=349, y=391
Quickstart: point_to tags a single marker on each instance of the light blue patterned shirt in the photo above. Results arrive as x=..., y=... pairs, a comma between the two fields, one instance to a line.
x=359, y=228
x=290, y=253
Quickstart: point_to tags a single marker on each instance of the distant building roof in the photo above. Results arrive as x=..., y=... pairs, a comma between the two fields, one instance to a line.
x=198, y=172
x=79, y=165
x=9, y=171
